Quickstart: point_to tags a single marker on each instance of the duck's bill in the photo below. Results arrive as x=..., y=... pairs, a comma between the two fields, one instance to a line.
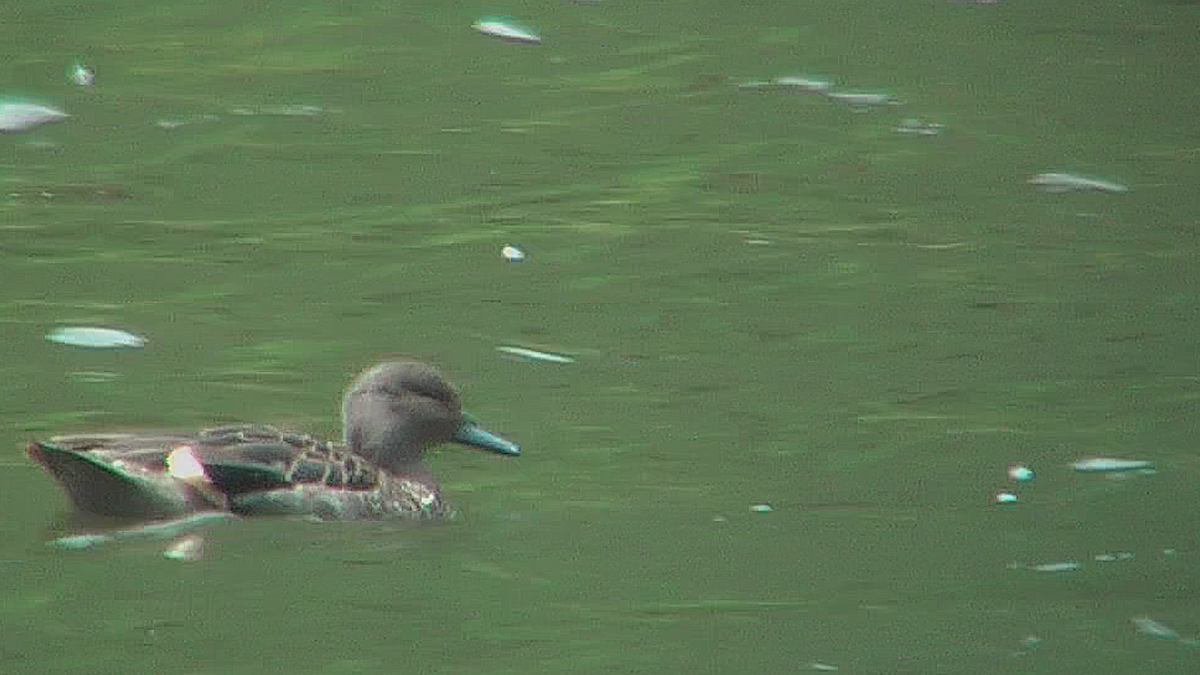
x=470, y=433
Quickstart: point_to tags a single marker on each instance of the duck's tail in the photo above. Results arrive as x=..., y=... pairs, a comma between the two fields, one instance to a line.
x=95, y=484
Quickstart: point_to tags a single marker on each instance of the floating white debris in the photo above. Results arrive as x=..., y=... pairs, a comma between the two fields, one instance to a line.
x=82, y=75
x=1066, y=182
x=817, y=665
x=508, y=32
x=1020, y=472
x=1154, y=629
x=1005, y=497
x=1103, y=464
x=97, y=338
x=15, y=117
x=806, y=84
x=531, y=355
x=186, y=549
x=761, y=508
x=286, y=110
x=916, y=127
x=1113, y=557
x=861, y=100
x=512, y=253
x=169, y=124
x=93, y=376
x=1065, y=566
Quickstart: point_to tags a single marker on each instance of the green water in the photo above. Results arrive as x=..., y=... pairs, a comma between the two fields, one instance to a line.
x=771, y=299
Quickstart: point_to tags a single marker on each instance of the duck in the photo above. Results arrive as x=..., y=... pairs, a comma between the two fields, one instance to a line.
x=391, y=414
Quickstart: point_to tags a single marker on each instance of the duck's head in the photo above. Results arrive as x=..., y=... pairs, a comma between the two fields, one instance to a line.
x=395, y=410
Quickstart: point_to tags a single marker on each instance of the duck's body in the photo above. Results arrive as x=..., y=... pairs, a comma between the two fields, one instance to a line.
x=247, y=470
x=391, y=414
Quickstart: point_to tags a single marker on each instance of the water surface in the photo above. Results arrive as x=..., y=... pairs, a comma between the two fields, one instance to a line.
x=770, y=299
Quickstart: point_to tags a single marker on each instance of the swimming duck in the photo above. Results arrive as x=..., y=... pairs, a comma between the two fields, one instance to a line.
x=391, y=414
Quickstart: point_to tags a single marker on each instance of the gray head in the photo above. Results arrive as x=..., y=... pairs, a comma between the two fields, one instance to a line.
x=395, y=410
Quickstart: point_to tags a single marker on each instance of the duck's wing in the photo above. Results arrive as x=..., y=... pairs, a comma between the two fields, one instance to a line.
x=265, y=472
x=243, y=459
x=248, y=467
x=117, y=475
